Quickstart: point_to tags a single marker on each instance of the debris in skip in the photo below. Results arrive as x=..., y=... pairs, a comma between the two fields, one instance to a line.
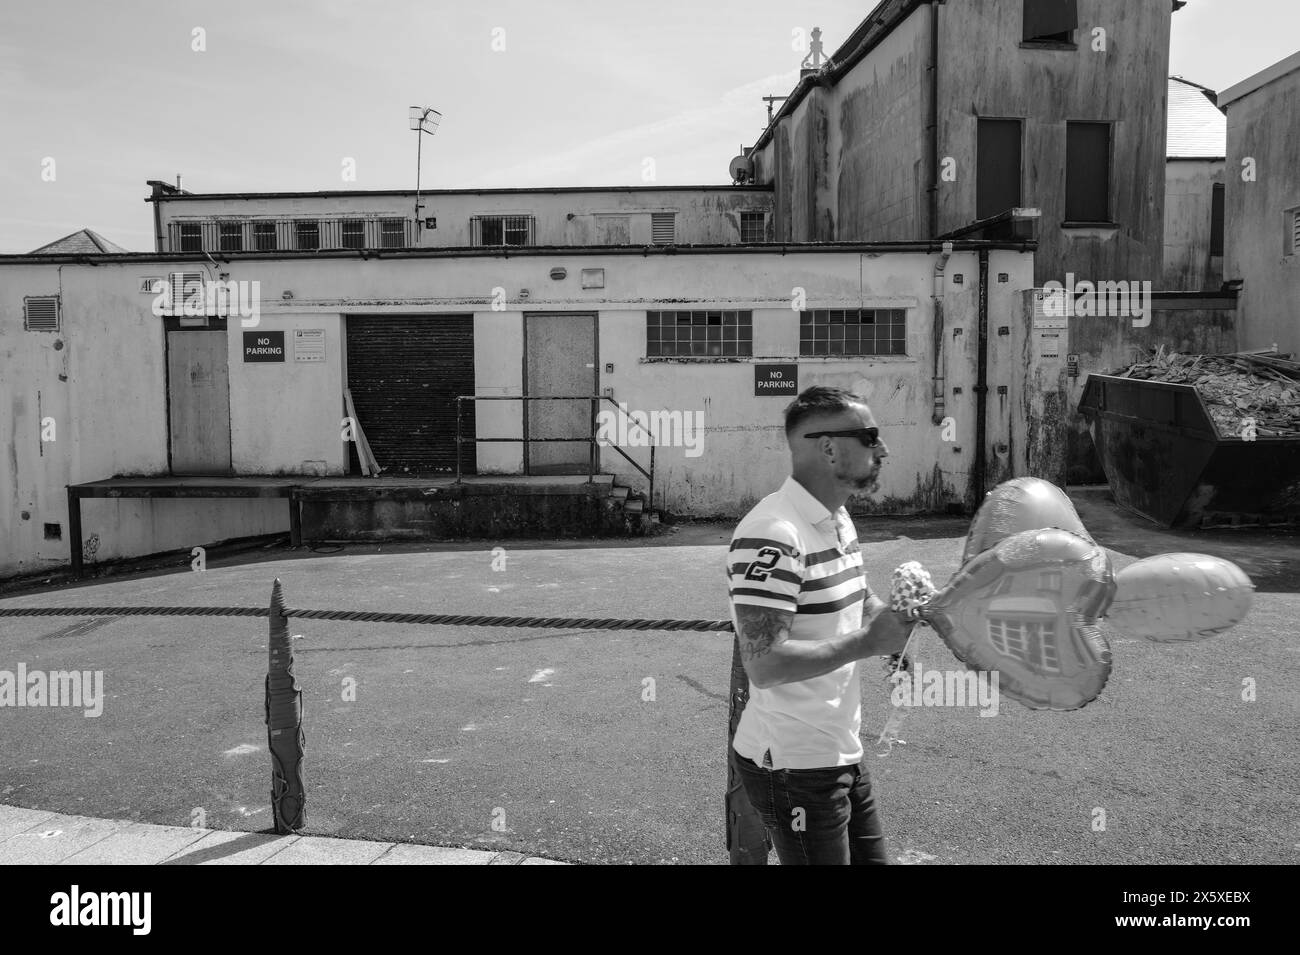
x=1234, y=387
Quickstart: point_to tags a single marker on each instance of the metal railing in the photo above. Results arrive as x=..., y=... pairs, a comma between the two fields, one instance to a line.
x=593, y=457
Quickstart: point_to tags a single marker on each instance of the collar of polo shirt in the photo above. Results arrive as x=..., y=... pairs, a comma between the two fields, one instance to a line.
x=810, y=509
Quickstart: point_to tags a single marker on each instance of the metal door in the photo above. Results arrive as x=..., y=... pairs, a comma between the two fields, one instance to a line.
x=560, y=359
x=199, y=387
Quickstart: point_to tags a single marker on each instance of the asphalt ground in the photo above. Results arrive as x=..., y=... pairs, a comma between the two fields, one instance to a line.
x=544, y=742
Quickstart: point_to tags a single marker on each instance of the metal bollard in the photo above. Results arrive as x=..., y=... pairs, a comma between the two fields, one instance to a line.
x=284, y=724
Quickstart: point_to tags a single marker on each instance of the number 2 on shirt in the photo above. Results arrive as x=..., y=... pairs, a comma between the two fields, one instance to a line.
x=761, y=568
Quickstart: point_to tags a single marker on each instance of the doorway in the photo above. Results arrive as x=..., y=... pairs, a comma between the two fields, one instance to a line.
x=198, y=389
x=559, y=360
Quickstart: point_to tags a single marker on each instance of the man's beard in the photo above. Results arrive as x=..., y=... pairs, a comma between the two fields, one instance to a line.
x=869, y=484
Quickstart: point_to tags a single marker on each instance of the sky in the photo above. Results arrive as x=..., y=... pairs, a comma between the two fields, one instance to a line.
x=557, y=93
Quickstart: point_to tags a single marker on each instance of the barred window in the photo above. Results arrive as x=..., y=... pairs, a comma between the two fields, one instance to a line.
x=503, y=230
x=264, y=237
x=1032, y=641
x=853, y=331
x=392, y=233
x=354, y=234
x=191, y=237
x=699, y=334
x=753, y=226
x=232, y=236
x=307, y=232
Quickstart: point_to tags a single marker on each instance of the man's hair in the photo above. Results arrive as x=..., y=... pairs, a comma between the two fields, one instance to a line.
x=819, y=400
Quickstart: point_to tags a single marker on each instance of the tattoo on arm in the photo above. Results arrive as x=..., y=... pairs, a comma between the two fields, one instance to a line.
x=761, y=629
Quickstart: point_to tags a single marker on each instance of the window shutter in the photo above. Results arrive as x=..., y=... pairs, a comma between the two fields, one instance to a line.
x=41, y=313
x=663, y=228
x=1295, y=231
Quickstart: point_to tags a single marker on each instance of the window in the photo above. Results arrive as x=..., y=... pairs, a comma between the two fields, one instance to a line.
x=1216, y=220
x=699, y=334
x=1293, y=231
x=663, y=228
x=1032, y=641
x=354, y=234
x=853, y=331
x=264, y=239
x=307, y=233
x=392, y=233
x=1087, y=172
x=753, y=226
x=41, y=313
x=191, y=237
x=1051, y=21
x=503, y=230
x=232, y=236
x=997, y=167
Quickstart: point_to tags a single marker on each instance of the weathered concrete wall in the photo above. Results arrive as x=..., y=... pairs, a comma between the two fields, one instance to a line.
x=1189, y=202
x=285, y=417
x=704, y=216
x=282, y=415
x=879, y=140
x=102, y=379
x=985, y=72
x=1188, y=324
x=1264, y=126
x=499, y=370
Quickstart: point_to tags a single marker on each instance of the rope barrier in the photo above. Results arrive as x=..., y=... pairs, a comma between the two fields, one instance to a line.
x=370, y=616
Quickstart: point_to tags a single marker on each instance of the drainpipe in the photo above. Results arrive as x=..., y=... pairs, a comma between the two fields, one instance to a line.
x=940, y=406
x=981, y=382
x=934, y=118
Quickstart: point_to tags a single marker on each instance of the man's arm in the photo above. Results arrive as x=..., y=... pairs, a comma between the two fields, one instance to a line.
x=771, y=658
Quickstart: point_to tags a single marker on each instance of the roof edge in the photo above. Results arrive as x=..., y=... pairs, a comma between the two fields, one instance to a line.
x=1259, y=80
x=782, y=248
x=337, y=193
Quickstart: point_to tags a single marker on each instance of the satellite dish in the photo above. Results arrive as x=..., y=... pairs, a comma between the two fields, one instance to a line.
x=742, y=169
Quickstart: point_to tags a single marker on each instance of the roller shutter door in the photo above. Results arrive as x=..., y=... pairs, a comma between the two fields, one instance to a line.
x=404, y=372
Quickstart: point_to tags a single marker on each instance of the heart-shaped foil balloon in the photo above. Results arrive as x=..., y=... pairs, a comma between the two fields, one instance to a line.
x=1021, y=504
x=1028, y=608
x=1175, y=598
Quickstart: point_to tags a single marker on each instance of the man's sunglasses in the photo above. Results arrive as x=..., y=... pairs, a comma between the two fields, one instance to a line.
x=870, y=437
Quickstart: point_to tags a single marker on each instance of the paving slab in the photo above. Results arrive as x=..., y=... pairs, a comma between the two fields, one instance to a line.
x=15, y=819
x=508, y=858
x=55, y=839
x=537, y=861
x=434, y=855
x=232, y=848
x=137, y=844
x=324, y=850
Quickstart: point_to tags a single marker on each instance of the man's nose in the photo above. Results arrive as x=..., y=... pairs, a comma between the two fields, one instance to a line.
x=881, y=450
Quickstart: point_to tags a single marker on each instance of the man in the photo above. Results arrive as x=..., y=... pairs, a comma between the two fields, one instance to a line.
x=798, y=603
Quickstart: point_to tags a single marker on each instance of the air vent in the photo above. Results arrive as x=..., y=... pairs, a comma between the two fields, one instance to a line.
x=41, y=313
x=662, y=228
x=186, y=286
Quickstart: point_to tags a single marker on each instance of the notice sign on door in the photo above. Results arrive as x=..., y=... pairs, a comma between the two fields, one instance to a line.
x=309, y=344
x=776, y=380
x=264, y=346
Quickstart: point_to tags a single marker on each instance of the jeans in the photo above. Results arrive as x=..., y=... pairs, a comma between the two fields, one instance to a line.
x=817, y=816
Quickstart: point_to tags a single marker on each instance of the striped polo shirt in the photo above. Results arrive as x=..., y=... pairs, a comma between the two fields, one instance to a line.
x=791, y=553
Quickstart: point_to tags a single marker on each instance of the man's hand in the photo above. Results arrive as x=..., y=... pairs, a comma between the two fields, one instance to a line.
x=887, y=634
